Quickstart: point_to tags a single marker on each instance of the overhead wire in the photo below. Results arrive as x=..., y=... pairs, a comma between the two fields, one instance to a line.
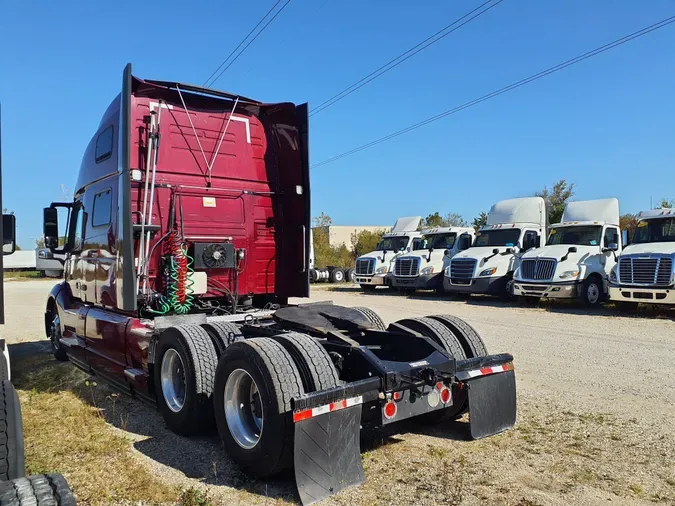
x=505, y=89
x=251, y=41
x=242, y=41
x=395, y=62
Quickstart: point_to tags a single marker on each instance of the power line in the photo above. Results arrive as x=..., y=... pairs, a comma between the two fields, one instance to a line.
x=391, y=64
x=247, y=45
x=505, y=89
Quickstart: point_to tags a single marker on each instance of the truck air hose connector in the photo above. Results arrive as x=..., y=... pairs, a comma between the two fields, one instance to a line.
x=179, y=282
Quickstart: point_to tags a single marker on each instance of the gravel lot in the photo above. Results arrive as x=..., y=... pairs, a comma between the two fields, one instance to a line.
x=596, y=413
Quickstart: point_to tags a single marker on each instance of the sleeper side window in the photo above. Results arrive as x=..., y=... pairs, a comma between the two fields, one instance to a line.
x=104, y=144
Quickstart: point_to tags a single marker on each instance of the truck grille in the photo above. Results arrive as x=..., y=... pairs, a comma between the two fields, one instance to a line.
x=407, y=266
x=365, y=266
x=537, y=269
x=645, y=271
x=461, y=270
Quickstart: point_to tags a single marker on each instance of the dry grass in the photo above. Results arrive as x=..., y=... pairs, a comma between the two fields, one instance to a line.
x=64, y=434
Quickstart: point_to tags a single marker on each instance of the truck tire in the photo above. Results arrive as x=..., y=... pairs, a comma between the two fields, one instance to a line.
x=471, y=342
x=312, y=360
x=313, y=276
x=38, y=490
x=222, y=335
x=4, y=367
x=507, y=291
x=12, y=460
x=184, y=371
x=258, y=432
x=350, y=275
x=55, y=336
x=368, y=288
x=591, y=291
x=372, y=317
x=437, y=332
x=336, y=276
x=452, y=344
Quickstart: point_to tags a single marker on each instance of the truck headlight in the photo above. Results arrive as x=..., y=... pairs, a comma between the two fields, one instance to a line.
x=381, y=270
x=569, y=274
x=427, y=270
x=488, y=272
x=612, y=275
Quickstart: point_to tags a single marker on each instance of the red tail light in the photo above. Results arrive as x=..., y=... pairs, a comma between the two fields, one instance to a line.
x=390, y=410
x=397, y=396
x=445, y=395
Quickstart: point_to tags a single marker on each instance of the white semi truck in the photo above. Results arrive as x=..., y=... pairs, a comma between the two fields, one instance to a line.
x=375, y=268
x=579, y=255
x=645, y=270
x=422, y=268
x=513, y=227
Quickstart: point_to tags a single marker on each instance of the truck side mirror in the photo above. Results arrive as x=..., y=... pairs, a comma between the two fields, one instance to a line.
x=572, y=249
x=612, y=247
x=495, y=251
x=50, y=227
x=447, y=252
x=8, y=234
x=464, y=242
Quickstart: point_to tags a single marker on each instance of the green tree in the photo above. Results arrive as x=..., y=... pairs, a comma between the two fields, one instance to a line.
x=479, y=221
x=365, y=241
x=324, y=254
x=449, y=220
x=556, y=198
x=668, y=204
x=628, y=222
x=40, y=243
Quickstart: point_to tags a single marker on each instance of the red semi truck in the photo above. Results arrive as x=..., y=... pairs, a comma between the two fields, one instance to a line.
x=187, y=234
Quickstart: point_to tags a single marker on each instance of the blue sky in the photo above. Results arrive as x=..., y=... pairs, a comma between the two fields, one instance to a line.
x=605, y=124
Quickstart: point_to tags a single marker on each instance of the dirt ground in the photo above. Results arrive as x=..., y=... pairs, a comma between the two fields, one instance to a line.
x=596, y=423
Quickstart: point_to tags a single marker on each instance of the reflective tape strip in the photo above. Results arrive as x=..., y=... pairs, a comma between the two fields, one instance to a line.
x=298, y=416
x=484, y=371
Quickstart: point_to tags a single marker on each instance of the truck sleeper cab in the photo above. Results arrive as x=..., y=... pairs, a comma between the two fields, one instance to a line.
x=579, y=254
x=513, y=227
x=645, y=271
x=423, y=269
x=188, y=232
x=375, y=268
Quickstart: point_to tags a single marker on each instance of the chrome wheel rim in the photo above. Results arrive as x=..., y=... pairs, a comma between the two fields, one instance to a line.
x=509, y=287
x=243, y=409
x=172, y=376
x=56, y=332
x=593, y=293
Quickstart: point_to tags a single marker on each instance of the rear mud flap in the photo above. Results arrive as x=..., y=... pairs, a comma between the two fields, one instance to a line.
x=492, y=404
x=327, y=454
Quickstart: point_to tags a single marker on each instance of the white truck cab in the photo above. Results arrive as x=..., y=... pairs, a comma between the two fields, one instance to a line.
x=374, y=269
x=423, y=268
x=645, y=270
x=579, y=254
x=513, y=227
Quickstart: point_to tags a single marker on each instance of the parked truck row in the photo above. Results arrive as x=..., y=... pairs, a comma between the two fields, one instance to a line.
x=517, y=253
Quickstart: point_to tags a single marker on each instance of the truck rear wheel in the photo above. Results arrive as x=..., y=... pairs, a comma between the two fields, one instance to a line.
x=223, y=334
x=350, y=275
x=471, y=342
x=336, y=276
x=372, y=317
x=184, y=371
x=38, y=490
x=255, y=382
x=438, y=333
x=312, y=360
x=12, y=460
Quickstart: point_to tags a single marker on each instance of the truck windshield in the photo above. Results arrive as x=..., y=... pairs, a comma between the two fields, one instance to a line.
x=440, y=241
x=393, y=243
x=504, y=237
x=658, y=230
x=586, y=235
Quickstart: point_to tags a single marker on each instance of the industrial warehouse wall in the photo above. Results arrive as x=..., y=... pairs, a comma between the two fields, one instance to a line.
x=341, y=235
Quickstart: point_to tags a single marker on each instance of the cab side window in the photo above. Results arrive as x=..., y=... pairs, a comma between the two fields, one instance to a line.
x=102, y=209
x=611, y=236
x=104, y=144
x=530, y=240
x=78, y=230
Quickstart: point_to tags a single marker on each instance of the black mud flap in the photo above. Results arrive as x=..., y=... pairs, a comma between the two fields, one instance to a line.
x=492, y=403
x=327, y=454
